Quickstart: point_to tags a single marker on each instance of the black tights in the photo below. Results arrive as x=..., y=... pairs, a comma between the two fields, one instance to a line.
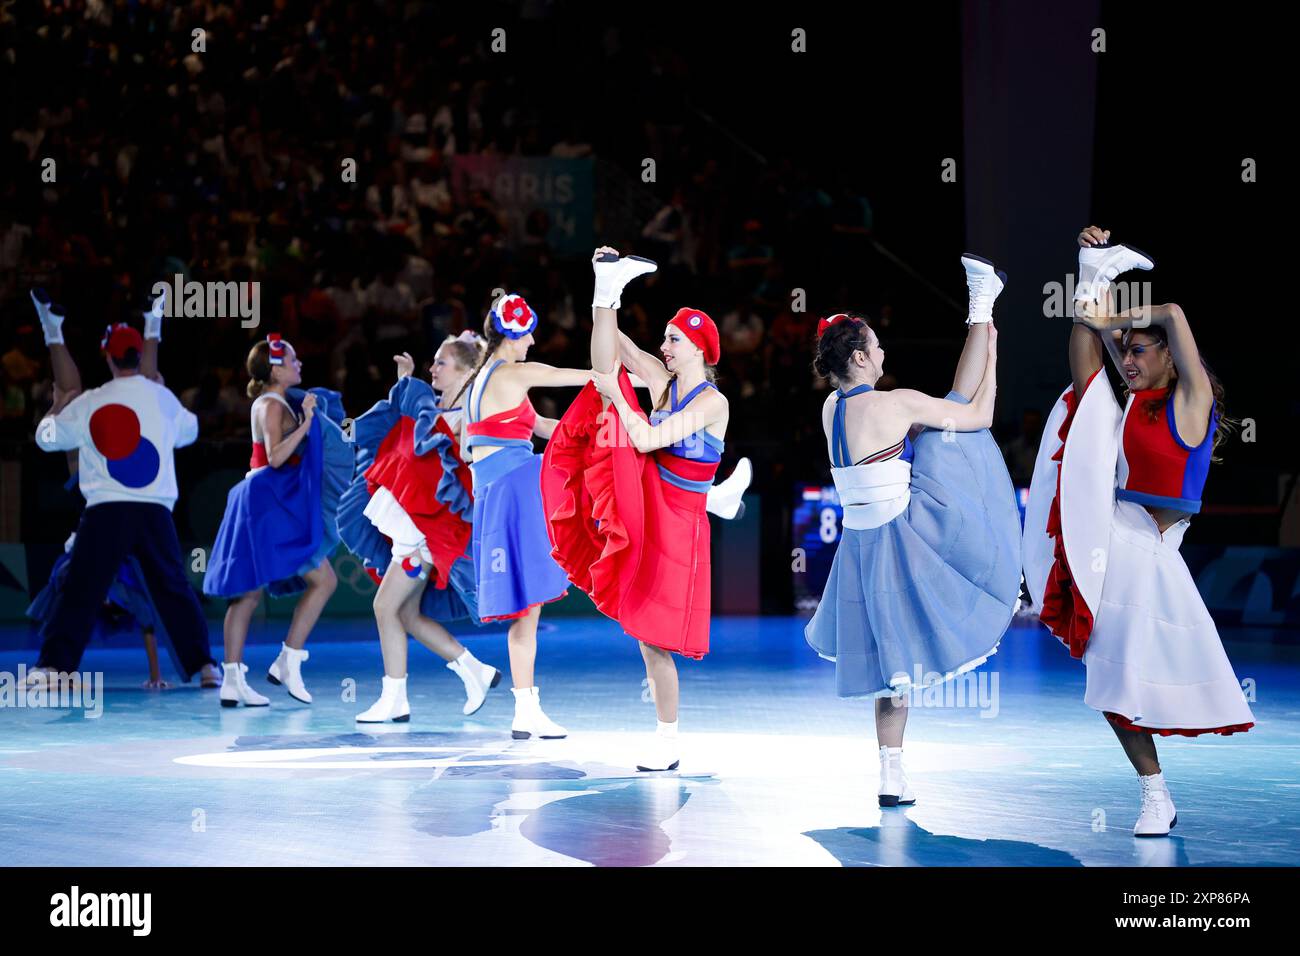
x=891, y=719
x=1140, y=748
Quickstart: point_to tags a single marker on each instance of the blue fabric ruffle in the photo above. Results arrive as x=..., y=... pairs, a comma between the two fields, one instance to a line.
x=931, y=592
x=414, y=399
x=263, y=541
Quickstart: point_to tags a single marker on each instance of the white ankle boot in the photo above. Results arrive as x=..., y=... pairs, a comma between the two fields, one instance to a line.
x=530, y=721
x=894, y=787
x=1158, y=816
x=613, y=273
x=287, y=670
x=662, y=751
x=983, y=282
x=1099, y=265
x=478, y=678
x=51, y=316
x=391, y=705
x=723, y=499
x=153, y=318
x=235, y=689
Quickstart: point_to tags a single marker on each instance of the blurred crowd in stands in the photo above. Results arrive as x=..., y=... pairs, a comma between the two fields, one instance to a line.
x=225, y=165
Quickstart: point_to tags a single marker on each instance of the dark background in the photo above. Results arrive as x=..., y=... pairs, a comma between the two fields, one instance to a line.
x=835, y=154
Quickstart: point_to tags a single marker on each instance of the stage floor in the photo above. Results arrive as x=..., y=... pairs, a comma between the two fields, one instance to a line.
x=775, y=769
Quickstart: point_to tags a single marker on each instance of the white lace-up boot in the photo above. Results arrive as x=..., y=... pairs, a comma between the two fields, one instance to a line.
x=235, y=689
x=983, y=283
x=894, y=787
x=1158, y=816
x=1099, y=265
x=613, y=273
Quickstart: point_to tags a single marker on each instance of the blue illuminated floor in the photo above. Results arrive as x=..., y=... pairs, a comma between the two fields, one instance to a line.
x=775, y=769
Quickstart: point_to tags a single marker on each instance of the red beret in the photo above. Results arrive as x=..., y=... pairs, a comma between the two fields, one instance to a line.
x=699, y=328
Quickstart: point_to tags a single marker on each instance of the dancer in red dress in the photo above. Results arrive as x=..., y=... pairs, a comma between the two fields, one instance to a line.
x=626, y=495
x=406, y=515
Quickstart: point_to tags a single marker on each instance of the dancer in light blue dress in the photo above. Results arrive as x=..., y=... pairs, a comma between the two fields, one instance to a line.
x=927, y=573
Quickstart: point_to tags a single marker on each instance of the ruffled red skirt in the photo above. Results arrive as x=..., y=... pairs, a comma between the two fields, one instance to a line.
x=636, y=544
x=413, y=480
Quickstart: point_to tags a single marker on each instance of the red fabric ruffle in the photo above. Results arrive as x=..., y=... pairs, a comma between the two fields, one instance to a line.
x=524, y=613
x=638, y=546
x=1125, y=724
x=412, y=479
x=1065, y=612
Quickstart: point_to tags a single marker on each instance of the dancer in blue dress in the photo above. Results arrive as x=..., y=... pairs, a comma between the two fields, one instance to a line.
x=927, y=573
x=512, y=551
x=279, y=527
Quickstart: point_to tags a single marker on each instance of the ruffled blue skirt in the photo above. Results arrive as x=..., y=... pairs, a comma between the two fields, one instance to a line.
x=458, y=601
x=929, y=594
x=414, y=399
x=512, y=548
x=280, y=523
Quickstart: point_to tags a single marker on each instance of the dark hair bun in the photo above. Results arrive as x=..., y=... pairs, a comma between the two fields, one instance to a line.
x=836, y=347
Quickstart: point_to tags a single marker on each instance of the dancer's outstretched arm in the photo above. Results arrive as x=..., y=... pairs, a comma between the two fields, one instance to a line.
x=539, y=375
x=709, y=408
x=1086, y=356
x=545, y=427
x=1182, y=344
x=1195, y=394
x=67, y=379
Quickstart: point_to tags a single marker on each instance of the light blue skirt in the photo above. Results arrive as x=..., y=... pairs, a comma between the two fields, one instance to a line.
x=512, y=547
x=928, y=595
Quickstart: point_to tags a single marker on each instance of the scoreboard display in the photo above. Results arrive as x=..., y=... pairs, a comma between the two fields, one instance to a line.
x=817, y=521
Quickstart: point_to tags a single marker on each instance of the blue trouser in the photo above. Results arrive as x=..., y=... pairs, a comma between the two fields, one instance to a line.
x=109, y=533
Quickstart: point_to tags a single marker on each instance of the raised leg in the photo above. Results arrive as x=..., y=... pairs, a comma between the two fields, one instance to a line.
x=974, y=357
